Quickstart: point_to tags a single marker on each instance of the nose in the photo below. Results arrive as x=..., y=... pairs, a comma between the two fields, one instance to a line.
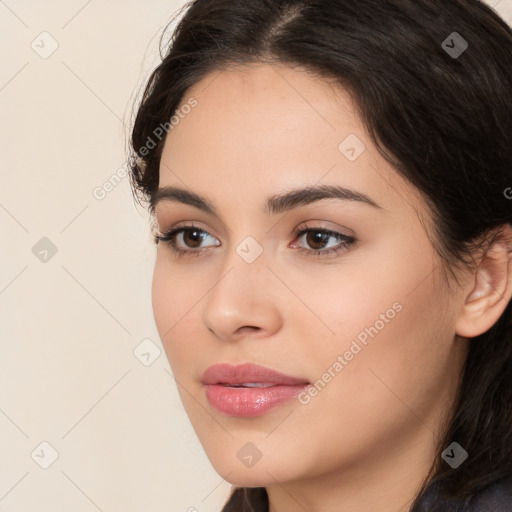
x=242, y=301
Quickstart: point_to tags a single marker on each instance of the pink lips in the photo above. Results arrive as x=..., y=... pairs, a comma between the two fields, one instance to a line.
x=249, y=390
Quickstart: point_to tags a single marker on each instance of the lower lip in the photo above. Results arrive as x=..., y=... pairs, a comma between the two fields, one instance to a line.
x=249, y=402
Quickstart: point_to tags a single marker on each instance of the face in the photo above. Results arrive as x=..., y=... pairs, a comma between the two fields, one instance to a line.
x=342, y=292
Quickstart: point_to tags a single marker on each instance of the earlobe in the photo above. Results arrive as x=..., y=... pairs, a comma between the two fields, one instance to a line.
x=491, y=289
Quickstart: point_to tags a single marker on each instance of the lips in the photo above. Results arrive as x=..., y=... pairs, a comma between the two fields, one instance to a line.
x=249, y=390
x=248, y=373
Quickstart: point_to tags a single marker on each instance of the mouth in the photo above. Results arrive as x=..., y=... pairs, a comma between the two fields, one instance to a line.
x=248, y=385
x=248, y=375
x=249, y=390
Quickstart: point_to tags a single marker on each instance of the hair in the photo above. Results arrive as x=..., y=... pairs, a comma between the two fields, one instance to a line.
x=443, y=121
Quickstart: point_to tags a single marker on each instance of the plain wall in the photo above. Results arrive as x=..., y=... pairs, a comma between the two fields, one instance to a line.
x=70, y=321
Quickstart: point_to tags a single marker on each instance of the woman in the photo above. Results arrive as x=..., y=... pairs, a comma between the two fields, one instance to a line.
x=330, y=185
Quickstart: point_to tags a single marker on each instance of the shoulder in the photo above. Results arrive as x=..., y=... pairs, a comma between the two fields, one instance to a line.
x=495, y=497
x=247, y=499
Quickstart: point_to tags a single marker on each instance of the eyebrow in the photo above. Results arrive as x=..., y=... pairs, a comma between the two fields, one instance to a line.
x=274, y=204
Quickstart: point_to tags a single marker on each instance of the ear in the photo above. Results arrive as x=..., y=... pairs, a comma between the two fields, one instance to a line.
x=489, y=289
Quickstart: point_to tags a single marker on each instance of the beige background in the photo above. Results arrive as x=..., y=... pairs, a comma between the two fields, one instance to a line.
x=69, y=325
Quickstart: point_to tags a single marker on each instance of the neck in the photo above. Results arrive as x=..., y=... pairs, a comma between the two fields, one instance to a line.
x=387, y=479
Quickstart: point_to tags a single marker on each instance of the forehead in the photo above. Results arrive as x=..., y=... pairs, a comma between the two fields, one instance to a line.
x=274, y=95
x=265, y=127
x=263, y=115
x=267, y=99
x=268, y=82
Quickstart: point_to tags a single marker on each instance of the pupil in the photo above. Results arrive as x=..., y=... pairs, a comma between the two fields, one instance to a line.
x=196, y=238
x=317, y=237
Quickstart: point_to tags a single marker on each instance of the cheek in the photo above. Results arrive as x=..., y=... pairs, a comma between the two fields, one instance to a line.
x=164, y=299
x=393, y=340
x=174, y=292
x=396, y=345
x=174, y=301
x=388, y=391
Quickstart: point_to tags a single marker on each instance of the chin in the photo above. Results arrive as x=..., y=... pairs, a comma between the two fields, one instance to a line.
x=248, y=478
x=260, y=474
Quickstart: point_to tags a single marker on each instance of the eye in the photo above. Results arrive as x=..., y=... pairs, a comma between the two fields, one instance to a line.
x=318, y=241
x=185, y=240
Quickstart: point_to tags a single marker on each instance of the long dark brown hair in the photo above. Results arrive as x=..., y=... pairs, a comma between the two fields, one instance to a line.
x=437, y=105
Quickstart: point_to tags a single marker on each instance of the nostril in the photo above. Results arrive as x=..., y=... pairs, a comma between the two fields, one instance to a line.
x=248, y=327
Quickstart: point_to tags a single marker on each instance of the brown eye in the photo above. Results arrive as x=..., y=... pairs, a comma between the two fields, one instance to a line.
x=186, y=240
x=193, y=238
x=317, y=239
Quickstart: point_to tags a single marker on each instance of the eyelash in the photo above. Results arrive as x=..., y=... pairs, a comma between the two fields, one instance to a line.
x=169, y=237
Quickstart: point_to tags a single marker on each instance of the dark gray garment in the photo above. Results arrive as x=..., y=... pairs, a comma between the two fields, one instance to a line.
x=496, y=497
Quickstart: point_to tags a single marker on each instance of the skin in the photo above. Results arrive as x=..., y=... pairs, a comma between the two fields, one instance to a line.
x=368, y=438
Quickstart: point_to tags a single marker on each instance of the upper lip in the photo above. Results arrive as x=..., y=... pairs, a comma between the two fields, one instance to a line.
x=244, y=373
